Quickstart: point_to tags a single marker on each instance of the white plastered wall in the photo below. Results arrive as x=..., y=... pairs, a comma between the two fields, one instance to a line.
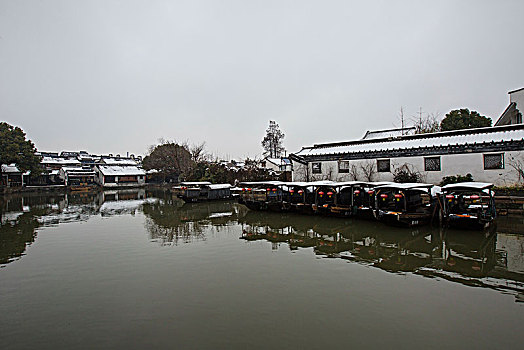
x=452, y=164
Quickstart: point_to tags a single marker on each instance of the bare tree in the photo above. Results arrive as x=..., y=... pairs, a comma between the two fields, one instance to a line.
x=301, y=172
x=518, y=165
x=198, y=153
x=427, y=123
x=369, y=169
x=330, y=173
x=353, y=172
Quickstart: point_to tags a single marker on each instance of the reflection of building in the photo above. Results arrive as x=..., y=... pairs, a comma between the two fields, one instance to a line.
x=512, y=246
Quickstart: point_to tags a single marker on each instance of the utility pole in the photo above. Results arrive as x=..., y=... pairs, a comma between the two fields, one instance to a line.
x=401, y=120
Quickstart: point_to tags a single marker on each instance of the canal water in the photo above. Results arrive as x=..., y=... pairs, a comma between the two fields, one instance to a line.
x=138, y=269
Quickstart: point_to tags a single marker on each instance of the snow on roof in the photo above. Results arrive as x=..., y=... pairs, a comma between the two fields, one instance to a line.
x=77, y=171
x=219, y=186
x=468, y=185
x=377, y=134
x=59, y=161
x=406, y=186
x=276, y=161
x=111, y=170
x=11, y=168
x=195, y=183
x=440, y=139
x=118, y=161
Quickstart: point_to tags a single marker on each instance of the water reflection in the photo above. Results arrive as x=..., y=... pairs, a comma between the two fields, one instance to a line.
x=21, y=215
x=492, y=260
x=170, y=221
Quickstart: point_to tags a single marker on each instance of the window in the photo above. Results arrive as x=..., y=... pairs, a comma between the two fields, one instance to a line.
x=383, y=166
x=317, y=168
x=432, y=164
x=343, y=166
x=494, y=161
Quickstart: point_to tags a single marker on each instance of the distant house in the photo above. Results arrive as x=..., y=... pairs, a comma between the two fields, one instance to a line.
x=77, y=176
x=380, y=134
x=118, y=161
x=489, y=154
x=276, y=164
x=119, y=175
x=513, y=113
x=11, y=176
x=55, y=163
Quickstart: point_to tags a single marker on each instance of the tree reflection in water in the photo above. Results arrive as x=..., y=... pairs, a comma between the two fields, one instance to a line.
x=170, y=222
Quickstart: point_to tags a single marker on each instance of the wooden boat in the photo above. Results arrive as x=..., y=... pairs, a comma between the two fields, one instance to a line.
x=404, y=204
x=325, y=196
x=468, y=205
x=364, y=199
x=259, y=195
x=300, y=197
x=348, y=193
x=207, y=192
x=178, y=190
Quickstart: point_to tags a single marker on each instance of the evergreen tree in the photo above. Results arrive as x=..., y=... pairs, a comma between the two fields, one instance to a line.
x=464, y=119
x=272, y=142
x=14, y=148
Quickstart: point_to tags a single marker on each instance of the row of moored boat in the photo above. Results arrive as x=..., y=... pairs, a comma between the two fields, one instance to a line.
x=467, y=204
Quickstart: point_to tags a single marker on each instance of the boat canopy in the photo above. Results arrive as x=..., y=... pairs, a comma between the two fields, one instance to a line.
x=406, y=186
x=218, y=186
x=195, y=183
x=468, y=186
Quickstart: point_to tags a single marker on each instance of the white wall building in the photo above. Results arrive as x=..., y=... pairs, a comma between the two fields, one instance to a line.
x=515, y=109
x=493, y=154
x=119, y=176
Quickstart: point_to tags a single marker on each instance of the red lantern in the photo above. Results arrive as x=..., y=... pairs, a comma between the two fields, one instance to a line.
x=384, y=195
x=330, y=193
x=398, y=196
x=249, y=189
x=321, y=193
x=371, y=191
x=300, y=191
x=450, y=196
x=268, y=189
x=356, y=192
x=274, y=190
x=474, y=196
x=291, y=191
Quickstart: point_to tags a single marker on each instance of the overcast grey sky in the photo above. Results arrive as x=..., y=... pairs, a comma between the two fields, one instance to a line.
x=115, y=76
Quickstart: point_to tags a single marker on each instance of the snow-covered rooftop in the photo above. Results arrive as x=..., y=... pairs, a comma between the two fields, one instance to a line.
x=119, y=161
x=440, y=139
x=11, y=168
x=110, y=170
x=219, y=186
x=468, y=185
x=59, y=161
x=378, y=134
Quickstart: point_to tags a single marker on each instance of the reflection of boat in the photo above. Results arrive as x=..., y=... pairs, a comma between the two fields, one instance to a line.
x=468, y=205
